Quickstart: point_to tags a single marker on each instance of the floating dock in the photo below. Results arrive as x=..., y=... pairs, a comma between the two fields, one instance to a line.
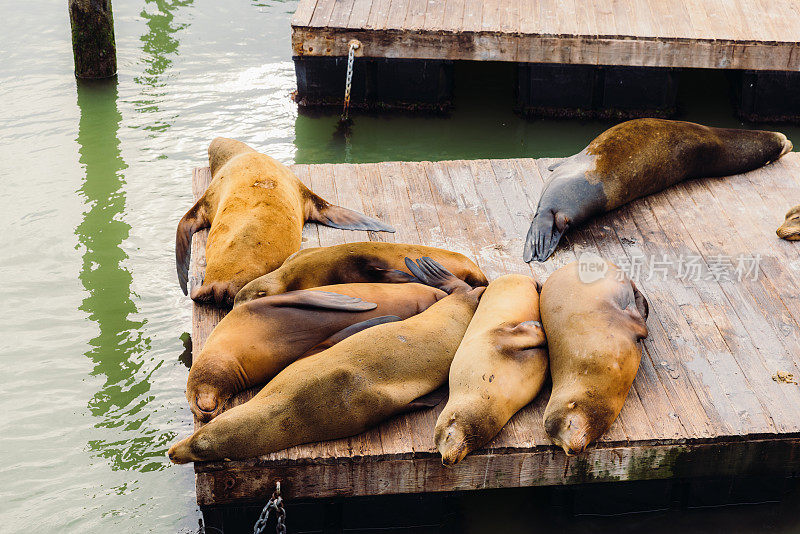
x=716, y=393
x=742, y=35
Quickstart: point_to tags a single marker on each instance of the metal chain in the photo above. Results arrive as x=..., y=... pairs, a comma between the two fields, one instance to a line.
x=274, y=503
x=351, y=56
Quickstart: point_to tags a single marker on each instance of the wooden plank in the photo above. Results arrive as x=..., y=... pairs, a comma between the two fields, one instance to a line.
x=305, y=10
x=253, y=481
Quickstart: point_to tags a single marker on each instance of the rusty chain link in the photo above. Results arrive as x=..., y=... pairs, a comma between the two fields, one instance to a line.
x=348, y=82
x=275, y=502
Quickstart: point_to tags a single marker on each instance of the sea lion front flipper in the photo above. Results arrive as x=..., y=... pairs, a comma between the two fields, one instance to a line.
x=434, y=398
x=323, y=212
x=194, y=220
x=350, y=330
x=396, y=276
x=522, y=336
x=431, y=273
x=544, y=235
x=323, y=300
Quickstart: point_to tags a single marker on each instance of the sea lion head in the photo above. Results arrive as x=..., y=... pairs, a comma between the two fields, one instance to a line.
x=451, y=440
x=194, y=448
x=790, y=229
x=572, y=427
x=458, y=432
x=208, y=390
x=260, y=287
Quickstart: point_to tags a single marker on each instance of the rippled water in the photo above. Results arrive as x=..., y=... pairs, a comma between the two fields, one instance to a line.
x=96, y=175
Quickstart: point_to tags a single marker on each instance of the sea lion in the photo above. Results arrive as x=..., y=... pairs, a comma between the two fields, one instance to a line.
x=368, y=261
x=256, y=209
x=499, y=367
x=256, y=340
x=638, y=158
x=790, y=229
x=345, y=389
x=594, y=318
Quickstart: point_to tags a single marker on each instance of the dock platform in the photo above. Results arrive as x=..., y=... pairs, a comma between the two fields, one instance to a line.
x=613, y=58
x=716, y=393
x=712, y=34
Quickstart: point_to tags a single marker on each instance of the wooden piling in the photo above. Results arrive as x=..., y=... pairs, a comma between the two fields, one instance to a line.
x=93, y=43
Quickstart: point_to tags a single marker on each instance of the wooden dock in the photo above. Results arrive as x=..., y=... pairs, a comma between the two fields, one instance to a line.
x=712, y=397
x=714, y=34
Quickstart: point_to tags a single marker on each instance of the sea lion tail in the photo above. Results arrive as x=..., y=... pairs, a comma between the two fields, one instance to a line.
x=194, y=220
x=543, y=236
x=321, y=211
x=431, y=273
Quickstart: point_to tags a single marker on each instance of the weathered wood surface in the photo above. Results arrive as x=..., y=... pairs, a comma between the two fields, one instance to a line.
x=734, y=34
x=704, y=401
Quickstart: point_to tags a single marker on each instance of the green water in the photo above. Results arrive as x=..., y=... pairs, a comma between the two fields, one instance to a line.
x=95, y=177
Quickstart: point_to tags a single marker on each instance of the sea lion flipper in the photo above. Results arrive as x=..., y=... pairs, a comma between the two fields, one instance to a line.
x=323, y=300
x=544, y=235
x=194, y=220
x=429, y=400
x=523, y=336
x=323, y=212
x=350, y=330
x=431, y=273
x=396, y=276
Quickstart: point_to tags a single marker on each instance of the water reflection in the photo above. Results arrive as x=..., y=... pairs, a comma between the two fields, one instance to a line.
x=159, y=43
x=118, y=348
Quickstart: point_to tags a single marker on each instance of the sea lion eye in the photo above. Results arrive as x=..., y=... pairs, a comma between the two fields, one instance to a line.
x=261, y=294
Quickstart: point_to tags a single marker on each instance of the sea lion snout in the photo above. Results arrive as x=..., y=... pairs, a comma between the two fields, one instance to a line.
x=207, y=405
x=790, y=229
x=569, y=430
x=451, y=442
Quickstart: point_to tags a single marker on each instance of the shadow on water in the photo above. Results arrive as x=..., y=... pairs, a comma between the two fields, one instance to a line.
x=483, y=124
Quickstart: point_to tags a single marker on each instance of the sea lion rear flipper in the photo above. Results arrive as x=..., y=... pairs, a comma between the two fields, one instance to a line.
x=323, y=300
x=350, y=330
x=194, y=220
x=323, y=212
x=431, y=273
x=434, y=398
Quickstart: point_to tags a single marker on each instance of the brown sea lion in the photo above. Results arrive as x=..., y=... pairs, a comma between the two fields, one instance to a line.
x=790, y=229
x=345, y=389
x=258, y=339
x=594, y=317
x=639, y=158
x=368, y=261
x=499, y=367
x=256, y=209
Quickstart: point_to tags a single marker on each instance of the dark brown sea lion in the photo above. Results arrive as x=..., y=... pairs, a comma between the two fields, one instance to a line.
x=499, y=367
x=594, y=319
x=790, y=229
x=345, y=389
x=368, y=261
x=256, y=209
x=257, y=339
x=635, y=159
